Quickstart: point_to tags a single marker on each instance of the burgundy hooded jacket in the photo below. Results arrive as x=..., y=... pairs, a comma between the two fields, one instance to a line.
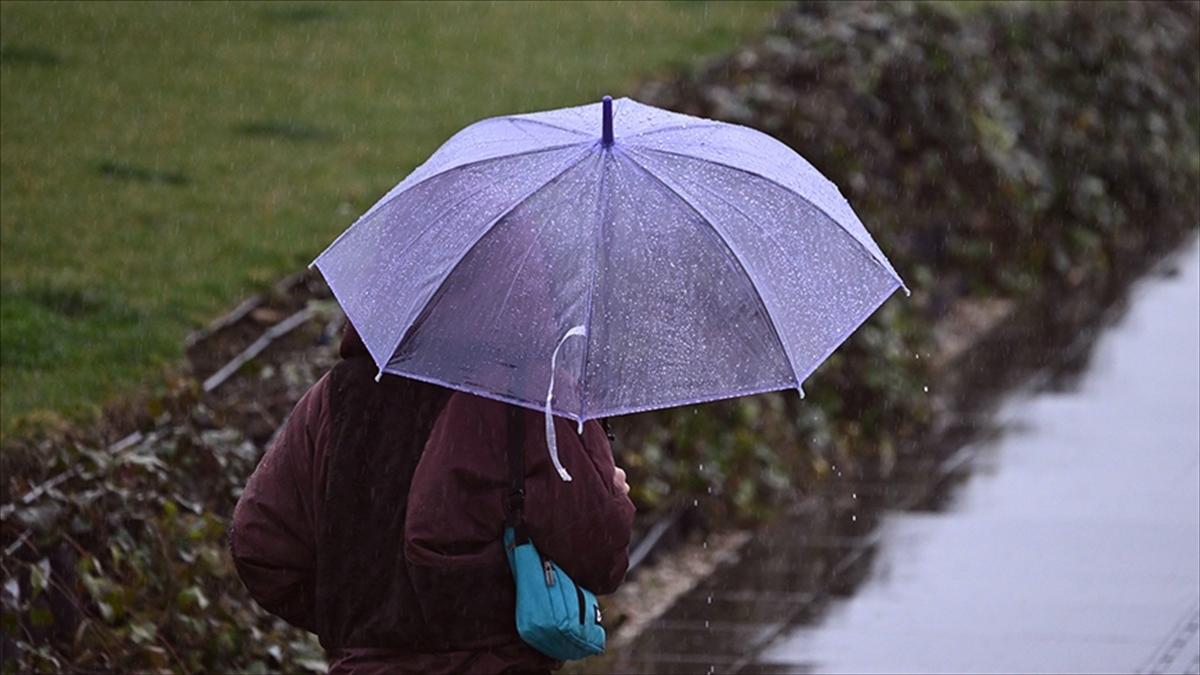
x=375, y=518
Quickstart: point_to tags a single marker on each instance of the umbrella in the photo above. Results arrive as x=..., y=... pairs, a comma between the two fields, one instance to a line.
x=607, y=259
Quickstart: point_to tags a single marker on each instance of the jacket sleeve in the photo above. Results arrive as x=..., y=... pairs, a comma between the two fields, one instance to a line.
x=583, y=525
x=273, y=536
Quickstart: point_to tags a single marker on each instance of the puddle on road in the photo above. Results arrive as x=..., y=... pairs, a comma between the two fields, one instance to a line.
x=1074, y=545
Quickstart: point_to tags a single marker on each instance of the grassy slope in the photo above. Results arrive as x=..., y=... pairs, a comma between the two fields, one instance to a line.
x=161, y=161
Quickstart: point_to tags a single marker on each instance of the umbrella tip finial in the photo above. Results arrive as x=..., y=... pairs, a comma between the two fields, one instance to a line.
x=607, y=138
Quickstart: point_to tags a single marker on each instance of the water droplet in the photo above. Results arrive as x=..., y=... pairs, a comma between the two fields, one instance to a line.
x=926, y=388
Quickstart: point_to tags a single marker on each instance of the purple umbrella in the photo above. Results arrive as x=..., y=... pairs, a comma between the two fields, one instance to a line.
x=608, y=259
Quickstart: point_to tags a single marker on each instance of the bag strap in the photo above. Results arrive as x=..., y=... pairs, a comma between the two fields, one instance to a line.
x=514, y=501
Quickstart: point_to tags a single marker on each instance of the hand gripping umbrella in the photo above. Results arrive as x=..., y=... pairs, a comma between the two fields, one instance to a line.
x=607, y=259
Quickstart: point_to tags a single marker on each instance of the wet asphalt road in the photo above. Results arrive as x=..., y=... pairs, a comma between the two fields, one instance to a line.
x=1075, y=544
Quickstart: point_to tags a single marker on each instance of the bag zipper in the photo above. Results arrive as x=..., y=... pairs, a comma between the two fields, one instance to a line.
x=582, y=604
x=549, y=572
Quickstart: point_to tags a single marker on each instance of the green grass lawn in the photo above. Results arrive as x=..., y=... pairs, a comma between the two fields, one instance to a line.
x=162, y=161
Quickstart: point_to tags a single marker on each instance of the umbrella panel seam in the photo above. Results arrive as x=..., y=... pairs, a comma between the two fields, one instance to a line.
x=601, y=213
x=438, y=287
x=519, y=118
x=387, y=200
x=433, y=222
x=524, y=258
x=735, y=207
x=674, y=127
x=733, y=253
x=862, y=247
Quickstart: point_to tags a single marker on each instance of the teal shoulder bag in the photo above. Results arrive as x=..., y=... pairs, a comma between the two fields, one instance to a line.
x=556, y=616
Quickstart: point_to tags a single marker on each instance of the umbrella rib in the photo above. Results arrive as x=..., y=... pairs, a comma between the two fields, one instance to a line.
x=674, y=127
x=480, y=162
x=386, y=200
x=525, y=132
x=862, y=247
x=520, y=268
x=567, y=166
x=441, y=214
x=742, y=212
x=733, y=252
x=587, y=320
x=514, y=118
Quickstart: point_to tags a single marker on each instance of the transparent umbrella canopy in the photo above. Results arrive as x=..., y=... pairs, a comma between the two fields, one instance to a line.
x=606, y=259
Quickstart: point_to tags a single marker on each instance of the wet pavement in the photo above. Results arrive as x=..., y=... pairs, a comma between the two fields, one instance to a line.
x=1069, y=541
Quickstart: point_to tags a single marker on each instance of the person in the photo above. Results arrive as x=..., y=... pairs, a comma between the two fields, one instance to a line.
x=375, y=519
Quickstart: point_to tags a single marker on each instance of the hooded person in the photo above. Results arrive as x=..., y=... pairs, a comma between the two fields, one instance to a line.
x=375, y=519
